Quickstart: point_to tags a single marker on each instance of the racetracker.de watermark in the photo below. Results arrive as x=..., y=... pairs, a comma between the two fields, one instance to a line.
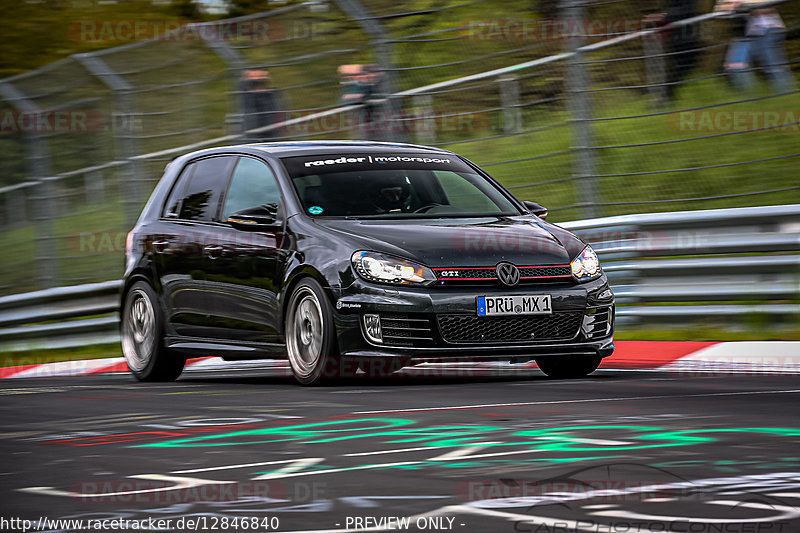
x=739, y=120
x=382, y=121
x=58, y=121
x=136, y=30
x=565, y=29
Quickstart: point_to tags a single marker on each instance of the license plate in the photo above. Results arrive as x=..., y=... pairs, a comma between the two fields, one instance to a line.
x=534, y=304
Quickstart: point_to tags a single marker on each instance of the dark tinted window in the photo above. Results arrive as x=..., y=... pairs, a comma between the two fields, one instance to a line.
x=253, y=184
x=394, y=185
x=173, y=204
x=200, y=196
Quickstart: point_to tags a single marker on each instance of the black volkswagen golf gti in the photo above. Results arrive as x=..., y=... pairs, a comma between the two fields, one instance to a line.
x=354, y=255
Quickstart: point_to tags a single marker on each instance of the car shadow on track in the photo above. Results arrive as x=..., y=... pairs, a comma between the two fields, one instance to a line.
x=411, y=376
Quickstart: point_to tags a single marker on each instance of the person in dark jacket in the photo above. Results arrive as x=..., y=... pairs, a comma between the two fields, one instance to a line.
x=681, y=44
x=261, y=104
x=359, y=84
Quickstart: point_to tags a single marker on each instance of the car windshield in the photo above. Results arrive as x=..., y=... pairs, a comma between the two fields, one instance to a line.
x=394, y=186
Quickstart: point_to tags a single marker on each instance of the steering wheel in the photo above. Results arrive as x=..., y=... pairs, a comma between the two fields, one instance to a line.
x=427, y=207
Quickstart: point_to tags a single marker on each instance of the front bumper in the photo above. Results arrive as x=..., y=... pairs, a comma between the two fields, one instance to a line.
x=421, y=321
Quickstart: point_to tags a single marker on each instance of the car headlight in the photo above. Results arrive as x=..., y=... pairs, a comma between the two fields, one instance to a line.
x=373, y=266
x=586, y=266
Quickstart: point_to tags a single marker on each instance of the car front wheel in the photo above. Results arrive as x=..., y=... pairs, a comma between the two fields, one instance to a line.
x=142, y=335
x=311, y=337
x=568, y=366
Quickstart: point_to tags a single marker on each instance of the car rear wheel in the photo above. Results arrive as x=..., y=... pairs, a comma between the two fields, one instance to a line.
x=142, y=335
x=311, y=337
x=568, y=366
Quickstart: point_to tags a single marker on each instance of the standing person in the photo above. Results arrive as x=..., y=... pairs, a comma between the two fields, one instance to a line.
x=261, y=104
x=680, y=45
x=351, y=92
x=758, y=39
x=359, y=84
x=737, y=58
x=374, y=120
x=767, y=30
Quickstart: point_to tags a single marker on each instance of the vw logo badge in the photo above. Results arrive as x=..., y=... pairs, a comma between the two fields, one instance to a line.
x=508, y=274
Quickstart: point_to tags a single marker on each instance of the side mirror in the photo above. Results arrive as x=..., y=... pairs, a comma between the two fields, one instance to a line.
x=536, y=209
x=260, y=218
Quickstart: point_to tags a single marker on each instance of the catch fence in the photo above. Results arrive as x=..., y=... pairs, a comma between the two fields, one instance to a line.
x=591, y=109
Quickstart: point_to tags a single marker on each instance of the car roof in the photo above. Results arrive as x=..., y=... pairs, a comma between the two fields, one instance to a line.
x=301, y=148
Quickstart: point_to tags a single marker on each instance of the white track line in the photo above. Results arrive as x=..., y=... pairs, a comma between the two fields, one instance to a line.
x=587, y=400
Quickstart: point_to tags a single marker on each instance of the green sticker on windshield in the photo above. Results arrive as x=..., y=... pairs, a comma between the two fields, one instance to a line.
x=315, y=210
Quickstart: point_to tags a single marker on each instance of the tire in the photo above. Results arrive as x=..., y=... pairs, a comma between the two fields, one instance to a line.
x=569, y=366
x=311, y=337
x=381, y=367
x=142, y=334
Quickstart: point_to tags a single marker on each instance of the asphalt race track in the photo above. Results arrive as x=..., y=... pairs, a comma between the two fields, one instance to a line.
x=464, y=448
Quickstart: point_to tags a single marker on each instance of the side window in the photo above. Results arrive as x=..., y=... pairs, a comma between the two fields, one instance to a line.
x=200, y=196
x=253, y=184
x=173, y=205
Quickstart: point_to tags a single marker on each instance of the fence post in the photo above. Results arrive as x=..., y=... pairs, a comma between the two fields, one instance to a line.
x=577, y=83
x=125, y=141
x=394, y=130
x=423, y=124
x=509, y=100
x=655, y=67
x=94, y=187
x=16, y=205
x=234, y=122
x=44, y=205
x=39, y=168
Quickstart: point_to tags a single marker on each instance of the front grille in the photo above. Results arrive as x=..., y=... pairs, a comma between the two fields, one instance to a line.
x=483, y=275
x=538, y=272
x=461, y=329
x=405, y=329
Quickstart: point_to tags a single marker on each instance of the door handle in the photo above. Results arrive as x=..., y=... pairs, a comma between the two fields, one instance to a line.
x=213, y=250
x=160, y=246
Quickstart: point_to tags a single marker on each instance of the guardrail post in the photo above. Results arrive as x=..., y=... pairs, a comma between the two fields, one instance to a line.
x=577, y=84
x=509, y=100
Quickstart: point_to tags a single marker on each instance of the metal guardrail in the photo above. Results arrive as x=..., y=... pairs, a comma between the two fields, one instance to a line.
x=642, y=257
x=62, y=317
x=638, y=252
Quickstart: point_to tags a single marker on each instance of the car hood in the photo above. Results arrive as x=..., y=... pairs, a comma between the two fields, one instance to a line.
x=463, y=242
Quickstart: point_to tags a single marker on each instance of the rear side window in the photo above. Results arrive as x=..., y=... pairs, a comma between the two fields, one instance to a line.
x=199, y=189
x=253, y=184
x=173, y=205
